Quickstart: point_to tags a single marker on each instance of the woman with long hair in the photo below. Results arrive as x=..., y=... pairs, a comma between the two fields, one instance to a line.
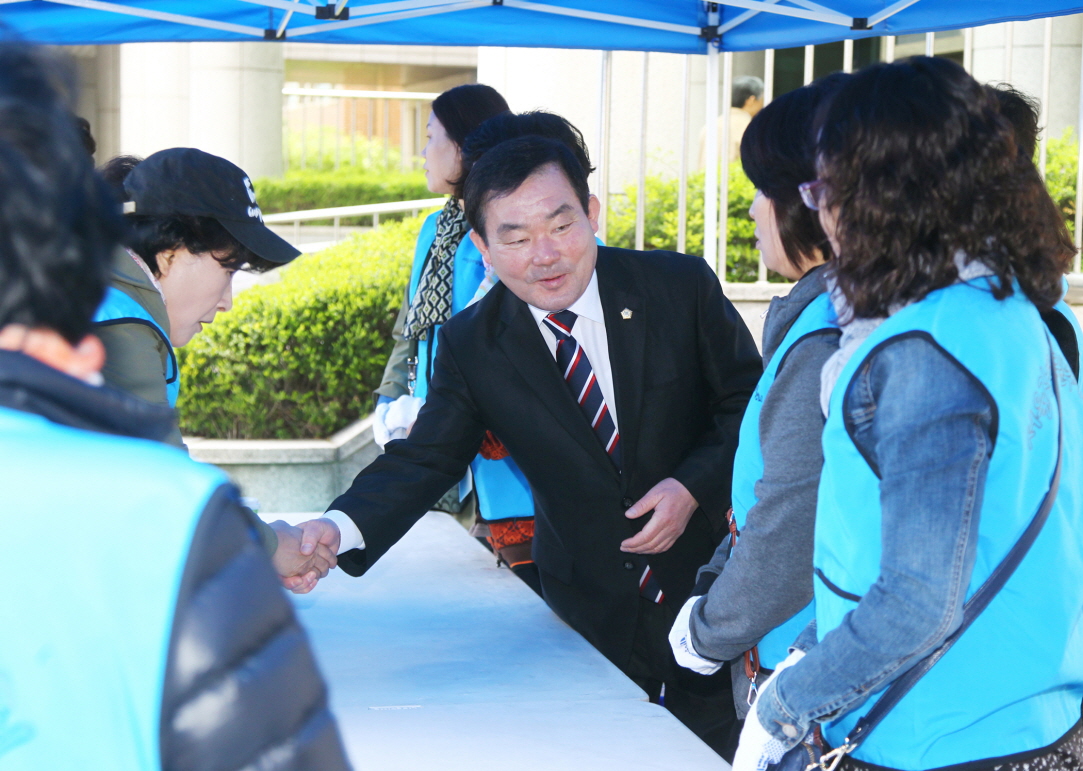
x=447, y=272
x=755, y=595
x=949, y=519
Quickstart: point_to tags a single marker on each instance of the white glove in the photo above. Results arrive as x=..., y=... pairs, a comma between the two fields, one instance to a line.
x=680, y=639
x=380, y=433
x=401, y=415
x=758, y=749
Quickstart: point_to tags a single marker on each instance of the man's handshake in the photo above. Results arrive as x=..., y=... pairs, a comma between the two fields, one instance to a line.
x=306, y=553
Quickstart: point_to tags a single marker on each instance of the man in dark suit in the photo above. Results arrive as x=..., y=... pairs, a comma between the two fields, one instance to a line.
x=617, y=380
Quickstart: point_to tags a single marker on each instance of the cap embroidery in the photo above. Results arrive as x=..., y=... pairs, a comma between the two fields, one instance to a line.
x=253, y=210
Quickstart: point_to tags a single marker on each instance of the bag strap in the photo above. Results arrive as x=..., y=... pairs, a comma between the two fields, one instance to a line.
x=971, y=609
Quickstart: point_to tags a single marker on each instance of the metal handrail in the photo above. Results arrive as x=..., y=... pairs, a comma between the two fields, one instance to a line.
x=366, y=209
x=336, y=213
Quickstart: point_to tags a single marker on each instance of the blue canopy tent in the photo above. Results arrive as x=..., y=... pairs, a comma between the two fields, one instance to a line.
x=673, y=26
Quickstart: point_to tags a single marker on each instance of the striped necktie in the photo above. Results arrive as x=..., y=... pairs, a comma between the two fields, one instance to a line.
x=583, y=384
x=579, y=375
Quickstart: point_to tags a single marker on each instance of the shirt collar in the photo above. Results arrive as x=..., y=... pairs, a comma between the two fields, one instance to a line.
x=589, y=304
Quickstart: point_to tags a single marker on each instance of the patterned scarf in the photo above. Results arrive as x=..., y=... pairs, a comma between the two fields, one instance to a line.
x=431, y=305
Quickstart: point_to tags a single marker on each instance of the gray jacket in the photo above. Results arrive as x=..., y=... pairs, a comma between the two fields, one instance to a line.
x=769, y=578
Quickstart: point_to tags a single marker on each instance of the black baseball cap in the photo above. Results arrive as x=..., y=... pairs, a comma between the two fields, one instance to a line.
x=183, y=180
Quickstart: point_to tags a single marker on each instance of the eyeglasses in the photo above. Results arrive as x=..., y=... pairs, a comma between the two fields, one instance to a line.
x=812, y=193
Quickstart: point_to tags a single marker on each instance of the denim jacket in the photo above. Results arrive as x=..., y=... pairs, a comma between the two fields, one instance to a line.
x=908, y=388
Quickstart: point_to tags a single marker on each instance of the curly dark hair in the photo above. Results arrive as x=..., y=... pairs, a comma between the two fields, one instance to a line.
x=919, y=164
x=1022, y=111
x=59, y=224
x=778, y=152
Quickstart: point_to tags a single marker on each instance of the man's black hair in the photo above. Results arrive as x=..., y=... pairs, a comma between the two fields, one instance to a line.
x=508, y=165
x=58, y=222
x=510, y=125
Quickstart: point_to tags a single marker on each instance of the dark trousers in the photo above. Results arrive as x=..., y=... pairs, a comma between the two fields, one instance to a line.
x=704, y=703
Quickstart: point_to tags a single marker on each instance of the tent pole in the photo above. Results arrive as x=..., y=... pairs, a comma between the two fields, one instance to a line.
x=682, y=189
x=768, y=95
x=304, y=132
x=641, y=183
x=968, y=50
x=847, y=55
x=889, y=49
x=810, y=63
x=1047, y=61
x=603, y=143
x=724, y=195
x=930, y=44
x=710, y=154
x=1009, y=50
x=1079, y=170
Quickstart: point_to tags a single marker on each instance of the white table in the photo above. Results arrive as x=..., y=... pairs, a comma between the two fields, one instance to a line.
x=438, y=659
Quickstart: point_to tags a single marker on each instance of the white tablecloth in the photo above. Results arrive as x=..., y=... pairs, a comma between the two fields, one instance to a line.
x=436, y=658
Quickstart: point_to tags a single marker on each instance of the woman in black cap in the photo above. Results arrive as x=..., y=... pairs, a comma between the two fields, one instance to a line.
x=193, y=222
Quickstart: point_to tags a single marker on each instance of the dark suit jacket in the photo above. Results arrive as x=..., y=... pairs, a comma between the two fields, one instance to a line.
x=684, y=366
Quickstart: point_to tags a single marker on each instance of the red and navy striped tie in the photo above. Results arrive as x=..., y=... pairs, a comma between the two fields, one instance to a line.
x=579, y=375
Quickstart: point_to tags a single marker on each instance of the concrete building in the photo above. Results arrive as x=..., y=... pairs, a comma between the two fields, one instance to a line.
x=227, y=98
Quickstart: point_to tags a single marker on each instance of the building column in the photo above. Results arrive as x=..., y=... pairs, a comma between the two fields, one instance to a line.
x=224, y=98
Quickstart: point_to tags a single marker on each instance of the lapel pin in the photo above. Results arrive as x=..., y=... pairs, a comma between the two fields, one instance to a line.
x=626, y=314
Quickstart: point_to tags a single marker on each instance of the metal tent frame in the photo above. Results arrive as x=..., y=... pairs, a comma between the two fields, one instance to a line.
x=676, y=26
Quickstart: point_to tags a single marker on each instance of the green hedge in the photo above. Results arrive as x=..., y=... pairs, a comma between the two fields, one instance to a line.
x=300, y=358
x=300, y=190
x=1062, y=161
x=660, y=226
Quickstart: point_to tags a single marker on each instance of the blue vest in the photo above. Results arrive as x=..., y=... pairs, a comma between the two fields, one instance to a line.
x=119, y=308
x=817, y=316
x=1014, y=680
x=84, y=642
x=503, y=492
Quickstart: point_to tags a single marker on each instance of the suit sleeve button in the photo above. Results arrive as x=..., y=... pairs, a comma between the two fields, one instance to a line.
x=626, y=502
x=629, y=565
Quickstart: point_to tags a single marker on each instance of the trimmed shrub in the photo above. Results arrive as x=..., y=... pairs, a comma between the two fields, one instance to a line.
x=300, y=190
x=299, y=358
x=660, y=226
x=1061, y=164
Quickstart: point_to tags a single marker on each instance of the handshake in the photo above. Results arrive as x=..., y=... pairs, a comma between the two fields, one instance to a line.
x=306, y=553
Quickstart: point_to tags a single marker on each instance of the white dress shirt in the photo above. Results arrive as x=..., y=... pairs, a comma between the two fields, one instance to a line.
x=589, y=331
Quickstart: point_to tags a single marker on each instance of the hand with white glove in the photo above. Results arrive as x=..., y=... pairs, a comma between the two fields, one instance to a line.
x=394, y=419
x=758, y=749
x=680, y=639
x=380, y=433
x=401, y=415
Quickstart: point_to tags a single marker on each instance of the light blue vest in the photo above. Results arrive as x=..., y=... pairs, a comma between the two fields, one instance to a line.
x=84, y=639
x=117, y=307
x=817, y=316
x=1014, y=680
x=503, y=492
